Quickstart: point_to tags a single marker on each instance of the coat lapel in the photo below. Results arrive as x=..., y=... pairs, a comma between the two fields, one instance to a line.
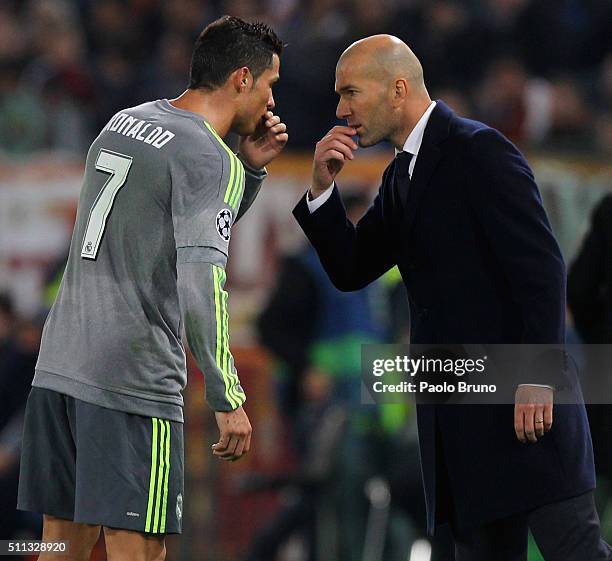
x=425, y=166
x=429, y=156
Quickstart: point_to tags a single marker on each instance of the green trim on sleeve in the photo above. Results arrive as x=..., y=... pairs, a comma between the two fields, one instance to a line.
x=235, y=185
x=235, y=199
x=234, y=396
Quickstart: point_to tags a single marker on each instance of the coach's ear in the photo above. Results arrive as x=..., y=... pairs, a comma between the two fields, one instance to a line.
x=242, y=79
x=400, y=92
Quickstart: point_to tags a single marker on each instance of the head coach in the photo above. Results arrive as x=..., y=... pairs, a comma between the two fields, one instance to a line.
x=459, y=212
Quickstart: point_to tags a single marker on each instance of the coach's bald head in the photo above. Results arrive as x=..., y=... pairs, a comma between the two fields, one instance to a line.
x=384, y=57
x=382, y=92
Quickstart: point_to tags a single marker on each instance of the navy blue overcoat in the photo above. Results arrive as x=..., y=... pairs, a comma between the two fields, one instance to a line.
x=481, y=265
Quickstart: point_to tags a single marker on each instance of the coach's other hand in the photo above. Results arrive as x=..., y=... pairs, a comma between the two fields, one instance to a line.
x=533, y=412
x=332, y=151
x=235, y=435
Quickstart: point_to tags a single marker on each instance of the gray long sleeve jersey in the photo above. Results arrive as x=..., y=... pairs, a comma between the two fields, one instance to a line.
x=160, y=194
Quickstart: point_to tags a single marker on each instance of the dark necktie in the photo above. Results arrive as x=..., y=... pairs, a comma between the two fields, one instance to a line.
x=401, y=177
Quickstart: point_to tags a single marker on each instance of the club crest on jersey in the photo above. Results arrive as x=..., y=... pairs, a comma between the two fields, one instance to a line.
x=224, y=224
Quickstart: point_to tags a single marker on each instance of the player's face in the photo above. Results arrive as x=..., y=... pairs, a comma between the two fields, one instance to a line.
x=363, y=103
x=258, y=99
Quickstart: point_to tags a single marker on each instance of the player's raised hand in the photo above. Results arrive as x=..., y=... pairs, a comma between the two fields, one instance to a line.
x=235, y=435
x=331, y=153
x=267, y=142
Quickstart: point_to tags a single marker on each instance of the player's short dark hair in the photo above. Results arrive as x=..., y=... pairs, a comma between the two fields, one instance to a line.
x=230, y=43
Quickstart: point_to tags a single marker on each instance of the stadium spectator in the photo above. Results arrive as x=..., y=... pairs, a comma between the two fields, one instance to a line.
x=110, y=27
x=132, y=48
x=7, y=322
x=450, y=41
x=603, y=135
x=517, y=105
x=589, y=291
x=19, y=343
x=187, y=16
x=317, y=332
x=12, y=39
x=172, y=59
x=306, y=321
x=23, y=121
x=315, y=34
x=570, y=119
x=59, y=76
x=116, y=81
x=368, y=18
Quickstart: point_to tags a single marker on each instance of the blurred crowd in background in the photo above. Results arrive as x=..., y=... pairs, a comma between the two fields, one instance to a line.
x=333, y=472
x=538, y=70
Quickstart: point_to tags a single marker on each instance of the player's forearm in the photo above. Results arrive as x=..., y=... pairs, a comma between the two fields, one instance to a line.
x=203, y=302
x=253, y=180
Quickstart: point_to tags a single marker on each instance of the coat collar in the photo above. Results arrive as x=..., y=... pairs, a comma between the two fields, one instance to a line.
x=438, y=126
x=415, y=138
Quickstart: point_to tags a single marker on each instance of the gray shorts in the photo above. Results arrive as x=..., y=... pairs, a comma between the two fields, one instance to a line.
x=94, y=465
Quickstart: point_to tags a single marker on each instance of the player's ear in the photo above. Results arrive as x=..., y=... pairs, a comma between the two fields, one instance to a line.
x=242, y=79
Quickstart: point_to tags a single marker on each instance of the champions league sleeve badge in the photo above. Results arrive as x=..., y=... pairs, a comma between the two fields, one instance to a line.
x=224, y=224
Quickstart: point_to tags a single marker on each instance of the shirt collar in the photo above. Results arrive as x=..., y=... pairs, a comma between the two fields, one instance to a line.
x=415, y=138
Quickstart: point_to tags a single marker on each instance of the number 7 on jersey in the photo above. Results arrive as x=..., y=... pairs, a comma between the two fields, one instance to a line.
x=118, y=165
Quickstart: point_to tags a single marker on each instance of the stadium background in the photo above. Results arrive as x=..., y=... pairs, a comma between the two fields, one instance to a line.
x=538, y=70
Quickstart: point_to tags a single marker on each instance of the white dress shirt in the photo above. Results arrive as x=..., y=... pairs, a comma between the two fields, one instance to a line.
x=412, y=145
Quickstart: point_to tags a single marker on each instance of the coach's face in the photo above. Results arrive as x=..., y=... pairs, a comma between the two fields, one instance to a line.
x=364, y=100
x=257, y=100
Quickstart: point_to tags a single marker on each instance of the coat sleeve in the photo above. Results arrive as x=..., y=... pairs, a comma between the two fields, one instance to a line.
x=507, y=203
x=353, y=256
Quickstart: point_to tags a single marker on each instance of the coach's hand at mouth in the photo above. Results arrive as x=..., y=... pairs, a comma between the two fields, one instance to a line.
x=533, y=412
x=331, y=153
x=267, y=142
x=235, y=435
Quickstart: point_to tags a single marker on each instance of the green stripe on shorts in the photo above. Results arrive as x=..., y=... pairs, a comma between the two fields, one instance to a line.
x=165, y=502
x=158, y=480
x=154, y=446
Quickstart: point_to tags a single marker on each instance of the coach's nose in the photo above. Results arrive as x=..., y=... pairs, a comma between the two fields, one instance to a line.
x=343, y=111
